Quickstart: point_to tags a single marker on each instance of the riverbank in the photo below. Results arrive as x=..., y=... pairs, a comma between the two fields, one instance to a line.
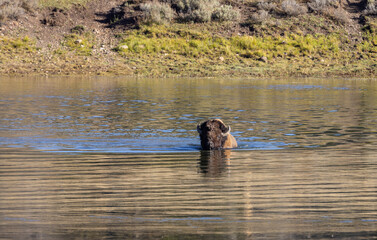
x=113, y=38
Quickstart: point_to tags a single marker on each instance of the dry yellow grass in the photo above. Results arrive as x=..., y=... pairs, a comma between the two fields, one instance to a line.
x=61, y=3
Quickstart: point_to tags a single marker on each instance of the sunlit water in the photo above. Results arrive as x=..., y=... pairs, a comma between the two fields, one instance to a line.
x=119, y=158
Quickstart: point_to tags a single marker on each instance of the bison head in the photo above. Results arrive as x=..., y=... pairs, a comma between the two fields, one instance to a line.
x=214, y=134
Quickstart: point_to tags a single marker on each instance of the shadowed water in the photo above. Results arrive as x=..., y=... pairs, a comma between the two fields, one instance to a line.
x=119, y=158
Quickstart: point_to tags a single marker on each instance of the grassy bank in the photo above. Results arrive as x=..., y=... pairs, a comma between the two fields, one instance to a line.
x=281, y=45
x=160, y=50
x=61, y=3
x=167, y=51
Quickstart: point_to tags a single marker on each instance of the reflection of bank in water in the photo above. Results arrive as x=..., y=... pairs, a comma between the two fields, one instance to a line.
x=213, y=163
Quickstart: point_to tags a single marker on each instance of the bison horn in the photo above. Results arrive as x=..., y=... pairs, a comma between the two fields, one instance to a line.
x=227, y=132
x=198, y=129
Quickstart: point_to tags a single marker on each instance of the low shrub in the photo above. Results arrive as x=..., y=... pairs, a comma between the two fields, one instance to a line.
x=156, y=12
x=266, y=6
x=371, y=8
x=292, y=8
x=259, y=16
x=187, y=6
x=321, y=5
x=29, y=5
x=204, y=10
x=12, y=9
x=79, y=29
x=225, y=13
x=339, y=15
x=195, y=10
x=330, y=9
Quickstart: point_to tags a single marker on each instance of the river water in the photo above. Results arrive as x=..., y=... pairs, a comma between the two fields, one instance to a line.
x=119, y=158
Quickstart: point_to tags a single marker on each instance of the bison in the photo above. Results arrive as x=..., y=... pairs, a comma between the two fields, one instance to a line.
x=214, y=134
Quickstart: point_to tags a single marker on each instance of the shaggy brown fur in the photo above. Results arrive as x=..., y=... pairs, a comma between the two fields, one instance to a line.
x=214, y=134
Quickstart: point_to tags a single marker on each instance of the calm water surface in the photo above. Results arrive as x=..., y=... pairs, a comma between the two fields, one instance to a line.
x=119, y=158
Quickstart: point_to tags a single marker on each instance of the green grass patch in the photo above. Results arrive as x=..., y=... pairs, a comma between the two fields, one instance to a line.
x=175, y=49
x=292, y=45
x=369, y=43
x=156, y=40
x=82, y=44
x=62, y=3
x=17, y=45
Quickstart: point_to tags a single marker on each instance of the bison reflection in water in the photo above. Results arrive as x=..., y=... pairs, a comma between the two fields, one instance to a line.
x=214, y=134
x=214, y=163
